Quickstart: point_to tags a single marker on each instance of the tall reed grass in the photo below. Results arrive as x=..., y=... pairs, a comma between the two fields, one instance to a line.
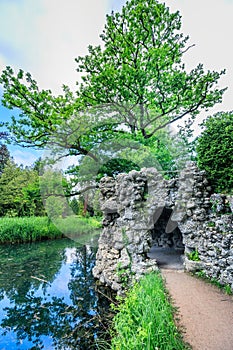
x=144, y=319
x=29, y=229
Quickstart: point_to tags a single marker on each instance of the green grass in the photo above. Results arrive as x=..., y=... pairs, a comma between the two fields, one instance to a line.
x=30, y=229
x=76, y=225
x=144, y=319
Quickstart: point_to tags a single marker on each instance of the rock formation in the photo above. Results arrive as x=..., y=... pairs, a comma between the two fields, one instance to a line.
x=142, y=209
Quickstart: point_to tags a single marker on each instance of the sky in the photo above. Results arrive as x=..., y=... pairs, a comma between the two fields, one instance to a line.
x=44, y=37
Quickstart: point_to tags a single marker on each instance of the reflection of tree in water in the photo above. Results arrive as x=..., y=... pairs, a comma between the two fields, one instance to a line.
x=73, y=325
x=90, y=305
x=20, y=262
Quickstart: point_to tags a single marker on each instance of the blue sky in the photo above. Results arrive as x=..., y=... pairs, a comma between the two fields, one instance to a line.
x=44, y=36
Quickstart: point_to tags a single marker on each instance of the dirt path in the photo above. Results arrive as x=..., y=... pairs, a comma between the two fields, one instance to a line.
x=205, y=313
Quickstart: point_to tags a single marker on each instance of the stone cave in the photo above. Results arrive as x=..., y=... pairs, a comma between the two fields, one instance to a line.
x=167, y=240
x=146, y=215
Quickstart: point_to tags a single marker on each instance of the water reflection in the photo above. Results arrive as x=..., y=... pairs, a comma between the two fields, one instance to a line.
x=48, y=297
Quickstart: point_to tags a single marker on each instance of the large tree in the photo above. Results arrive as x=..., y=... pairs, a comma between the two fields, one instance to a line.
x=139, y=71
x=133, y=86
x=138, y=74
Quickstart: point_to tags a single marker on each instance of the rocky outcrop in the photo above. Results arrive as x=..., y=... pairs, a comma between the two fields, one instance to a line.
x=142, y=209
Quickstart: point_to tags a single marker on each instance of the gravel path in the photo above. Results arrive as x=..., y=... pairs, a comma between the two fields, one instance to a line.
x=205, y=313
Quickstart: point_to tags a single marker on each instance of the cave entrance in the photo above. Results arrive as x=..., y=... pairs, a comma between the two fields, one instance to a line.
x=167, y=242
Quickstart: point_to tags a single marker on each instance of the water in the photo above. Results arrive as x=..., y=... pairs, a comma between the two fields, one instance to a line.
x=48, y=298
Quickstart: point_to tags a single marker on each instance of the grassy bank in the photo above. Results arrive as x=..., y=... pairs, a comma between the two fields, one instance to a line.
x=29, y=229
x=144, y=319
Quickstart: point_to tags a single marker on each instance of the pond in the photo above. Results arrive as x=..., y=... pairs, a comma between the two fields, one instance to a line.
x=48, y=298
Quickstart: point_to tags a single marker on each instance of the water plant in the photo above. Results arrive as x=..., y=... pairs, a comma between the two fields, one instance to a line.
x=30, y=229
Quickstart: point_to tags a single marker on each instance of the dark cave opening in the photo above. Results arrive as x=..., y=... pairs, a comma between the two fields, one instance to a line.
x=165, y=233
x=167, y=241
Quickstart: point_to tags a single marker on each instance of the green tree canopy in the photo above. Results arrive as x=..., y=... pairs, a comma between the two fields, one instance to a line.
x=133, y=86
x=138, y=77
x=20, y=192
x=4, y=157
x=139, y=71
x=215, y=150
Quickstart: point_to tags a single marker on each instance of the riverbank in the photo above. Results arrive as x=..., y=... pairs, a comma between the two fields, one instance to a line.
x=31, y=229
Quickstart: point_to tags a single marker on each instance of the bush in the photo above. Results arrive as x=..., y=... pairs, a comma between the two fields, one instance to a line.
x=215, y=151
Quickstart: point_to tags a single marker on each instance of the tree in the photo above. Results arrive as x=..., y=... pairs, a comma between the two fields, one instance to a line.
x=140, y=73
x=132, y=88
x=43, y=119
x=20, y=192
x=54, y=187
x=4, y=153
x=4, y=157
x=215, y=150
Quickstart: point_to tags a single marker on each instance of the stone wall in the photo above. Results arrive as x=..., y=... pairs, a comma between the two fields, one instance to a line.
x=214, y=242
x=141, y=209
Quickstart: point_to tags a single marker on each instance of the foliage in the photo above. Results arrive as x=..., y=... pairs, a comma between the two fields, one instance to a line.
x=133, y=87
x=145, y=318
x=139, y=72
x=194, y=255
x=29, y=229
x=40, y=112
x=211, y=224
x=74, y=205
x=168, y=151
x=116, y=166
x=4, y=157
x=215, y=150
x=20, y=191
x=124, y=274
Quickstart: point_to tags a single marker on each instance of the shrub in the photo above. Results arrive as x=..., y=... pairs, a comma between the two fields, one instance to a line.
x=215, y=151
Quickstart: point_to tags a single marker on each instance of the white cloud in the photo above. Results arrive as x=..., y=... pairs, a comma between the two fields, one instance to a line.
x=2, y=62
x=26, y=157
x=44, y=37
x=209, y=24
x=66, y=29
x=17, y=27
